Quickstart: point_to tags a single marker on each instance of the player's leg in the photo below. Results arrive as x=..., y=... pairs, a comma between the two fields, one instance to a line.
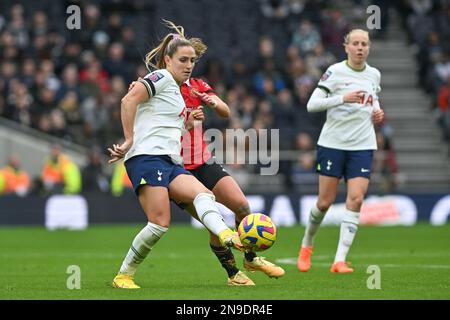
x=225, y=257
x=358, y=166
x=330, y=165
x=356, y=190
x=155, y=203
x=185, y=188
x=327, y=194
x=228, y=192
x=209, y=174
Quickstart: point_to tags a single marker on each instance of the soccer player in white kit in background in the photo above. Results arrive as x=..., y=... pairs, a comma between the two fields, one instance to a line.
x=348, y=91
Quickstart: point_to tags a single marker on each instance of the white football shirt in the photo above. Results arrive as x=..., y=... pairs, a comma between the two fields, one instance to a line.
x=349, y=126
x=160, y=120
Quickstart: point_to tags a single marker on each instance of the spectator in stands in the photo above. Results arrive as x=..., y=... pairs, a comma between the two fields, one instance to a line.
x=268, y=76
x=442, y=70
x=28, y=72
x=334, y=28
x=94, y=176
x=69, y=81
x=304, y=170
x=304, y=142
x=96, y=113
x=385, y=163
x=59, y=125
x=19, y=103
x=115, y=64
x=94, y=78
x=306, y=37
x=60, y=173
x=318, y=60
x=17, y=26
x=100, y=44
x=266, y=52
x=275, y=9
x=284, y=114
x=15, y=180
x=444, y=108
x=40, y=24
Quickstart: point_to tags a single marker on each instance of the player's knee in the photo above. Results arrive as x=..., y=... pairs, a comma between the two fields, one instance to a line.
x=323, y=205
x=207, y=194
x=242, y=208
x=161, y=220
x=355, y=200
x=164, y=224
x=156, y=229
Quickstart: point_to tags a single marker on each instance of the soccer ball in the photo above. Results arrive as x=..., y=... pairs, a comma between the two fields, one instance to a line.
x=257, y=232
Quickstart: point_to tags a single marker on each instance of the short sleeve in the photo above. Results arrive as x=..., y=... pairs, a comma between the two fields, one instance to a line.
x=155, y=82
x=329, y=81
x=204, y=87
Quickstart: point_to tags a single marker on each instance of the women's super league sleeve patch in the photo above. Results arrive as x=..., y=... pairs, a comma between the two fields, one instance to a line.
x=155, y=76
x=326, y=75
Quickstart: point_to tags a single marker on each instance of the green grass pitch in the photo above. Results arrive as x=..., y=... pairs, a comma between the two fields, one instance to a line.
x=414, y=263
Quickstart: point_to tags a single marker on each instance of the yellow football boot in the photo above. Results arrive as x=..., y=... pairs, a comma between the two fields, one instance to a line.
x=124, y=281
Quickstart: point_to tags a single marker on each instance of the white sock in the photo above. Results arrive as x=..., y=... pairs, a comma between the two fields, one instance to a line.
x=208, y=213
x=315, y=219
x=141, y=246
x=349, y=226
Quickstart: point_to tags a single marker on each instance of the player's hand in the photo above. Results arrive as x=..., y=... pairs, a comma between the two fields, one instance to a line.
x=196, y=116
x=131, y=86
x=377, y=115
x=207, y=99
x=354, y=97
x=118, y=152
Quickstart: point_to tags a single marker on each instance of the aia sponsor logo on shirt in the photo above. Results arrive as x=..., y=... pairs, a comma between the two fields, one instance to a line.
x=366, y=99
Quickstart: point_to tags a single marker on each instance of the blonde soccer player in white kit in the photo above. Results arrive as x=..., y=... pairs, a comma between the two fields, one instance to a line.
x=153, y=117
x=348, y=91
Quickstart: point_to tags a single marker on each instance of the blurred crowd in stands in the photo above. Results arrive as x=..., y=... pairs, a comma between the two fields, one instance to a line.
x=428, y=26
x=264, y=59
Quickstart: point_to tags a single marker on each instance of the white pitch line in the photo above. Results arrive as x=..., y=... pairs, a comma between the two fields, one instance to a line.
x=388, y=265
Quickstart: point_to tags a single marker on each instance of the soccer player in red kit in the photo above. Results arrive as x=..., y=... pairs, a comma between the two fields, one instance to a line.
x=196, y=93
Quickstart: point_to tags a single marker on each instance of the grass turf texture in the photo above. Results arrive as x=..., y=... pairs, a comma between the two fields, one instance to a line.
x=414, y=264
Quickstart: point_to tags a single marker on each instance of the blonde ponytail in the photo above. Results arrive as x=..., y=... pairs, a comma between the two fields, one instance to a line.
x=169, y=45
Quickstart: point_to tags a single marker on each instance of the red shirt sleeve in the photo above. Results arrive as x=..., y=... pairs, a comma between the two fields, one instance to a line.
x=202, y=86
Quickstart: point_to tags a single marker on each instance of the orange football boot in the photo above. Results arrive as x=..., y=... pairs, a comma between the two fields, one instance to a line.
x=304, y=259
x=341, y=267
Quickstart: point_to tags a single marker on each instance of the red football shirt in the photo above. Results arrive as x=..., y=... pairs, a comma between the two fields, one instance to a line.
x=193, y=146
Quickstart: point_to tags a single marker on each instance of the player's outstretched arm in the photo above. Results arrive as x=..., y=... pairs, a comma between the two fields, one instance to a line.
x=132, y=99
